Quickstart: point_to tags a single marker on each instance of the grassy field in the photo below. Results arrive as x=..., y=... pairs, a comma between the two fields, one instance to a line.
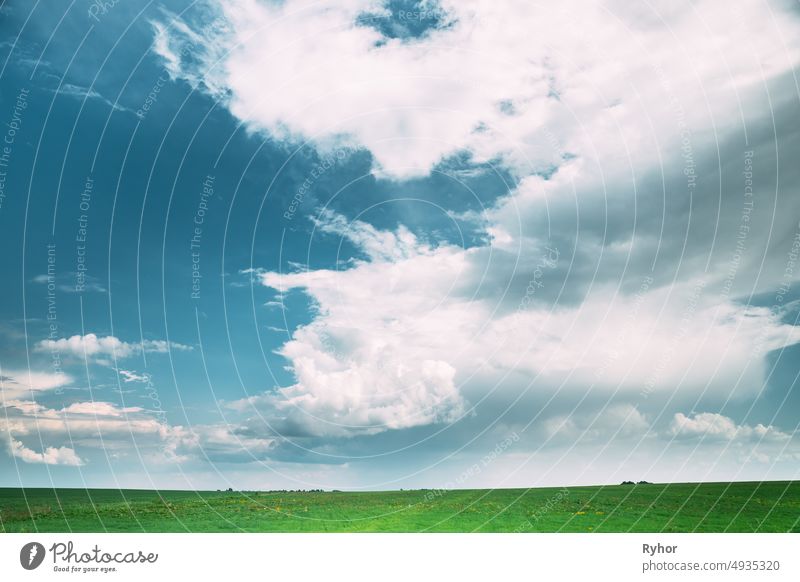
x=682, y=507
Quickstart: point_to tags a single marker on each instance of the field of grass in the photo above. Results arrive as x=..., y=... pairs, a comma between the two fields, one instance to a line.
x=683, y=507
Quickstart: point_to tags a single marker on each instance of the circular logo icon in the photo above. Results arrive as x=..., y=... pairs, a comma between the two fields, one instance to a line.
x=31, y=555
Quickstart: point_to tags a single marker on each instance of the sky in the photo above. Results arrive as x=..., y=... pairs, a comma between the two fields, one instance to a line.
x=383, y=244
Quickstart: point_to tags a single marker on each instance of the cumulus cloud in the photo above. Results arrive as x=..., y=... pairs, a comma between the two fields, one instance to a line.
x=99, y=427
x=20, y=383
x=50, y=456
x=334, y=398
x=81, y=419
x=358, y=368
x=611, y=268
x=226, y=443
x=412, y=319
x=593, y=107
x=713, y=425
x=497, y=80
x=91, y=345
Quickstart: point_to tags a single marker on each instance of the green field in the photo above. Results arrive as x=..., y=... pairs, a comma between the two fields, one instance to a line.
x=683, y=507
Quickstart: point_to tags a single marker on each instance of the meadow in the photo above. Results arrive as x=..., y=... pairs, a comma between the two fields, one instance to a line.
x=682, y=507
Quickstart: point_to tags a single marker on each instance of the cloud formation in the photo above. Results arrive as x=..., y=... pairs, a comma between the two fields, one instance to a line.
x=605, y=291
x=91, y=345
x=405, y=333
x=513, y=81
x=713, y=425
x=102, y=429
x=50, y=456
x=21, y=383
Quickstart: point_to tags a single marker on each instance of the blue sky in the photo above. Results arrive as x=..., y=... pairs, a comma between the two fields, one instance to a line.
x=377, y=244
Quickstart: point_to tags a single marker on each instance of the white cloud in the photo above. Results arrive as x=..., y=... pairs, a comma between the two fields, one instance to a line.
x=98, y=425
x=604, y=92
x=32, y=380
x=500, y=81
x=399, y=340
x=335, y=398
x=414, y=333
x=713, y=425
x=373, y=361
x=50, y=456
x=90, y=345
x=81, y=419
x=104, y=426
x=20, y=383
x=132, y=376
x=377, y=244
x=162, y=346
x=96, y=408
x=218, y=442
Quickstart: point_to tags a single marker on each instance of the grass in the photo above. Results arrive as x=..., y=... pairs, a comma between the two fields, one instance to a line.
x=682, y=507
